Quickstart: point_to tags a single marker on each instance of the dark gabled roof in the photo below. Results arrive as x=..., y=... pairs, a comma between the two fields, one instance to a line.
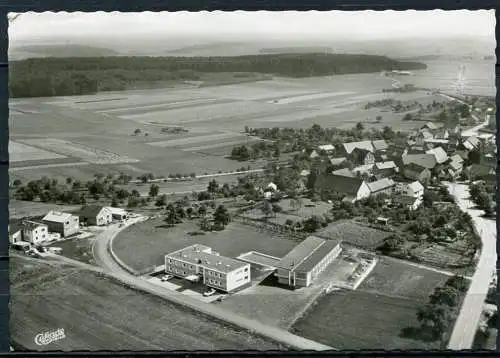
x=366, y=145
x=415, y=167
x=91, y=211
x=344, y=172
x=381, y=184
x=346, y=185
x=424, y=160
x=15, y=227
x=319, y=254
x=31, y=225
x=300, y=252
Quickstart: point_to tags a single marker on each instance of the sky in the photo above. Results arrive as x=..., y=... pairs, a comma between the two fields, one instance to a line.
x=287, y=24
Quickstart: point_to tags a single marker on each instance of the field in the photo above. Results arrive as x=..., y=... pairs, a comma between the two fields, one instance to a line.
x=373, y=316
x=99, y=129
x=86, y=306
x=155, y=240
x=355, y=234
x=20, y=209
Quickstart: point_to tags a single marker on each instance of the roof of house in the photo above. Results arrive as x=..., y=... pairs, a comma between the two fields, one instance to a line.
x=471, y=143
x=92, y=211
x=31, y=225
x=346, y=185
x=415, y=186
x=437, y=141
x=482, y=170
x=456, y=158
x=415, y=167
x=337, y=161
x=310, y=262
x=462, y=154
x=381, y=184
x=314, y=154
x=455, y=165
x=326, y=147
x=15, y=227
x=366, y=145
x=385, y=165
x=363, y=168
x=426, y=160
x=305, y=173
x=202, y=255
x=426, y=135
x=439, y=153
x=295, y=257
x=380, y=144
x=405, y=199
x=57, y=216
x=117, y=211
x=344, y=172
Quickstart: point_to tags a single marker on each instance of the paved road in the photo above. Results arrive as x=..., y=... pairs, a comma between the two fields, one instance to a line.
x=108, y=263
x=467, y=322
x=204, y=176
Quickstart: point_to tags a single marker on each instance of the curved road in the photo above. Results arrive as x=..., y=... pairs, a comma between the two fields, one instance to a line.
x=106, y=260
x=467, y=322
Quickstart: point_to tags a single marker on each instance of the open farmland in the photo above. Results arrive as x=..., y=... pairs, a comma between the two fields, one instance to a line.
x=19, y=152
x=155, y=240
x=20, y=209
x=87, y=311
x=373, y=316
x=354, y=234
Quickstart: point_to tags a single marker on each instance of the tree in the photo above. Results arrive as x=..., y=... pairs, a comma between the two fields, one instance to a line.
x=161, y=200
x=204, y=224
x=458, y=282
x=277, y=209
x=212, y=186
x=221, y=216
x=267, y=208
x=391, y=244
x=133, y=202
x=433, y=319
x=378, y=118
x=444, y=296
x=137, y=131
x=154, y=190
x=17, y=182
x=312, y=224
x=114, y=202
x=296, y=203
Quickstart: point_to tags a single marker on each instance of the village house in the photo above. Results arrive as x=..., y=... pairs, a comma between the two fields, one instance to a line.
x=414, y=171
x=15, y=232
x=34, y=232
x=96, y=215
x=455, y=166
x=380, y=145
x=408, y=202
x=382, y=186
x=63, y=223
x=414, y=189
x=337, y=161
x=351, y=188
x=470, y=143
x=327, y=148
x=441, y=133
x=362, y=156
x=439, y=153
x=426, y=160
x=117, y=213
x=433, y=143
x=366, y=169
x=385, y=169
x=422, y=137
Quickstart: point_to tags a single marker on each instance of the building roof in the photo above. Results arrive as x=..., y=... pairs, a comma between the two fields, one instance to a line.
x=344, y=172
x=202, y=255
x=117, y=211
x=426, y=135
x=15, y=227
x=337, y=161
x=57, y=216
x=92, y=211
x=436, y=141
x=415, y=167
x=326, y=147
x=31, y=225
x=363, y=168
x=430, y=125
x=385, y=165
x=381, y=184
x=380, y=144
x=456, y=158
x=455, y=165
x=415, y=186
x=305, y=173
x=426, y=160
x=439, y=153
x=309, y=263
x=471, y=143
x=406, y=200
x=366, y=145
x=346, y=185
x=299, y=253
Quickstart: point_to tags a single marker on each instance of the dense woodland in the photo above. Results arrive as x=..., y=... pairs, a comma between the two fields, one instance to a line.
x=44, y=77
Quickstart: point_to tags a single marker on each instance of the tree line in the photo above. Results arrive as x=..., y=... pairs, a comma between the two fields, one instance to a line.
x=42, y=77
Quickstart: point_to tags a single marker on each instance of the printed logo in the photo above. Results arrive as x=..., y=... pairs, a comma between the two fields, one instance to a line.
x=43, y=339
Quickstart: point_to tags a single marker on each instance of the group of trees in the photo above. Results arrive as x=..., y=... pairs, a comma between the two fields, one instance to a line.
x=73, y=76
x=261, y=149
x=484, y=196
x=437, y=315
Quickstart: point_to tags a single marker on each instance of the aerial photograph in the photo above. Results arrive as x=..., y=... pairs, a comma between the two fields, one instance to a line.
x=191, y=181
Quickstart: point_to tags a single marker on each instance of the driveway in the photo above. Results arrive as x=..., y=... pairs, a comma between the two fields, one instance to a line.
x=468, y=319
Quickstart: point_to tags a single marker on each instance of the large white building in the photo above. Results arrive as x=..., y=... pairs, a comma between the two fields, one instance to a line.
x=199, y=262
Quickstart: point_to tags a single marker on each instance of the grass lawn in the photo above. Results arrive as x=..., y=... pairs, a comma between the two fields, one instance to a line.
x=361, y=320
x=355, y=234
x=96, y=313
x=144, y=244
x=375, y=314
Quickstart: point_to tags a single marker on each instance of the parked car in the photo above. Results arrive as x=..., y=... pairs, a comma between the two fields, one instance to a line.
x=209, y=292
x=55, y=250
x=166, y=278
x=221, y=298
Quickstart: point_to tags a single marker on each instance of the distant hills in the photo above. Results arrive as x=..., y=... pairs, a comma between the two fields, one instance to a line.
x=59, y=50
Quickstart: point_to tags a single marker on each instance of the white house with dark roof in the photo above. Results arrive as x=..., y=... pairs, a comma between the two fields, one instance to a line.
x=439, y=153
x=326, y=148
x=414, y=189
x=63, y=223
x=96, y=215
x=35, y=232
x=382, y=186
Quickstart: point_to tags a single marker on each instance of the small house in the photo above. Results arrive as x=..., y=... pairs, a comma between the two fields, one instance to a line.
x=362, y=156
x=382, y=186
x=327, y=148
x=380, y=145
x=351, y=188
x=117, y=213
x=35, y=232
x=96, y=215
x=64, y=223
x=414, y=189
x=408, y=202
x=439, y=153
x=414, y=171
x=385, y=169
x=15, y=232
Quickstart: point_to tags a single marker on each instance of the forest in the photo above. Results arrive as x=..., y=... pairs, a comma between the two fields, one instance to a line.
x=45, y=77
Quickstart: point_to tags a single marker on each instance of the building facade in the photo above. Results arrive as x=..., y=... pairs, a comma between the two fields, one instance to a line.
x=200, y=263
x=305, y=262
x=63, y=223
x=34, y=232
x=96, y=215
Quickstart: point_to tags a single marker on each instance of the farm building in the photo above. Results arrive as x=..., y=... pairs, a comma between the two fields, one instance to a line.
x=385, y=169
x=409, y=202
x=328, y=148
x=199, y=262
x=380, y=145
x=382, y=186
x=471, y=143
x=352, y=188
x=439, y=153
x=362, y=156
x=117, y=213
x=96, y=215
x=414, y=171
x=414, y=189
x=301, y=266
x=337, y=161
x=15, y=233
x=426, y=160
x=63, y=223
x=34, y=232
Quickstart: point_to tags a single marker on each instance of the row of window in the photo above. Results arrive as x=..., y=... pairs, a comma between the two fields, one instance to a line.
x=176, y=270
x=216, y=274
x=183, y=264
x=215, y=282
